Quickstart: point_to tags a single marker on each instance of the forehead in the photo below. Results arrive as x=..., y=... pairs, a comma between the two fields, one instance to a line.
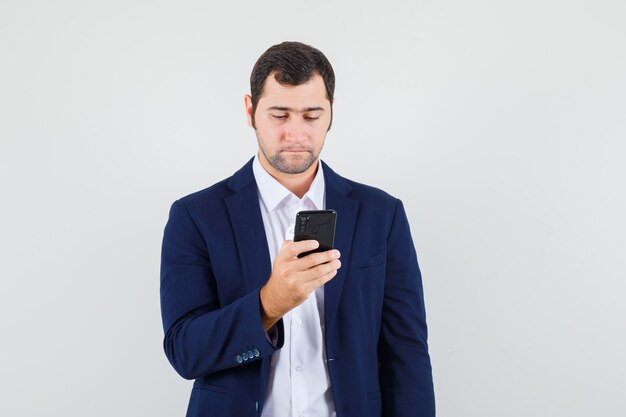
x=310, y=93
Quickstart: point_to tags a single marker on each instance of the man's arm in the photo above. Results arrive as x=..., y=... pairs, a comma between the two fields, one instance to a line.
x=405, y=370
x=202, y=336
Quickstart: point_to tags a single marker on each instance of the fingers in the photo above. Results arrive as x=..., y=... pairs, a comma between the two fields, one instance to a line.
x=318, y=282
x=291, y=250
x=319, y=258
x=314, y=265
x=293, y=278
x=318, y=276
x=321, y=271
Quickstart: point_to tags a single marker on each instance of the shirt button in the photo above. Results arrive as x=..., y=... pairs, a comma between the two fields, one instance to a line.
x=299, y=322
x=299, y=368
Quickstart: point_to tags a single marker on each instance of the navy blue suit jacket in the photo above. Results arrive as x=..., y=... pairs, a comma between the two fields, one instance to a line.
x=214, y=261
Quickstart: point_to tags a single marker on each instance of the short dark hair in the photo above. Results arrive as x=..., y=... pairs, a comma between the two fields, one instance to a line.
x=293, y=63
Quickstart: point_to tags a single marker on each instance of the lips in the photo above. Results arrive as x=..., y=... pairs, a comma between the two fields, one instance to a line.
x=295, y=151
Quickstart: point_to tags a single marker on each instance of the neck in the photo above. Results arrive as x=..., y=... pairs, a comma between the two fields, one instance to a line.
x=298, y=184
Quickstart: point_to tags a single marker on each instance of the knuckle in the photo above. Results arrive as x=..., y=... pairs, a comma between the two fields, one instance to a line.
x=321, y=258
x=321, y=269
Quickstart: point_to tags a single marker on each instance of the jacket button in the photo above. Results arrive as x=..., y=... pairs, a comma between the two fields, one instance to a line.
x=250, y=354
x=238, y=358
x=257, y=353
x=244, y=355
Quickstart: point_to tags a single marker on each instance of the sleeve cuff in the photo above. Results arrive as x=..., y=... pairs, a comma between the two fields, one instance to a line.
x=272, y=336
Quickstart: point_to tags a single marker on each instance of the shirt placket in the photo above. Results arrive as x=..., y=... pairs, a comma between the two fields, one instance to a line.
x=299, y=347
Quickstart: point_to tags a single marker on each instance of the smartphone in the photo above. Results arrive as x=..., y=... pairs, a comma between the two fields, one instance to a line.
x=316, y=225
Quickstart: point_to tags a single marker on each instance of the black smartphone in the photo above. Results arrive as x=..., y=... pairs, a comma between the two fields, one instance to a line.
x=316, y=225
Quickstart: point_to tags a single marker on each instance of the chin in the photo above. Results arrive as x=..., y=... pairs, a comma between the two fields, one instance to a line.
x=294, y=168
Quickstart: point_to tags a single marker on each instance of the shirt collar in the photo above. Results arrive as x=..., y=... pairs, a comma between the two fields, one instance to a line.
x=273, y=193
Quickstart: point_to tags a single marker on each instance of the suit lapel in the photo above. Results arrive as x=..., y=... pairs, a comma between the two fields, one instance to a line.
x=337, y=189
x=245, y=216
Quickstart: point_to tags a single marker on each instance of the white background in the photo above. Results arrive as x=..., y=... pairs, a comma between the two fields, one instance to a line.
x=500, y=124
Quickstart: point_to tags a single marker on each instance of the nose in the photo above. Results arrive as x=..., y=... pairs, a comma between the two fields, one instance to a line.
x=294, y=130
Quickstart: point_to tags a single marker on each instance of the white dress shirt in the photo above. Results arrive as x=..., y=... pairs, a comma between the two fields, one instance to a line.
x=299, y=385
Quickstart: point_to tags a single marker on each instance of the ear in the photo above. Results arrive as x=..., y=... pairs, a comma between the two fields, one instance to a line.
x=248, y=103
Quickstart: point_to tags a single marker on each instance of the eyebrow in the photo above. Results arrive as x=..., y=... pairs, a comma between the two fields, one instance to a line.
x=304, y=110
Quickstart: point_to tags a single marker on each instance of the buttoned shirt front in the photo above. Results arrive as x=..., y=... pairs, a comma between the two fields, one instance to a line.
x=299, y=385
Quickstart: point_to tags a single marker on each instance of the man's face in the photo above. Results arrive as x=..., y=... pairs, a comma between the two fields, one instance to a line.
x=291, y=123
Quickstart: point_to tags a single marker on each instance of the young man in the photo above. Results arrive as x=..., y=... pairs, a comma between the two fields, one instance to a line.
x=265, y=333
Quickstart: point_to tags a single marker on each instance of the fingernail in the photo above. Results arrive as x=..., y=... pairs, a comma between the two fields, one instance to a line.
x=336, y=254
x=314, y=244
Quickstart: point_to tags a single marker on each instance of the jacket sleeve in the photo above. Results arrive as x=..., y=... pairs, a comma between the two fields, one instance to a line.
x=405, y=370
x=202, y=336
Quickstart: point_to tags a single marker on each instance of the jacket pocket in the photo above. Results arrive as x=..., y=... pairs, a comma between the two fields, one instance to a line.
x=367, y=262
x=206, y=402
x=218, y=389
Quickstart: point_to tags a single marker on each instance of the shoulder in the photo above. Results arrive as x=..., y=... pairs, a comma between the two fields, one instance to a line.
x=358, y=191
x=374, y=203
x=364, y=192
x=207, y=196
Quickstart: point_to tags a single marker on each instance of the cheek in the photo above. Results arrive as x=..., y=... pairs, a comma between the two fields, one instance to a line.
x=324, y=126
x=319, y=133
x=269, y=134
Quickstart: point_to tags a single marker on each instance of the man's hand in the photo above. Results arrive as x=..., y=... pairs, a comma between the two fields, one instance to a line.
x=293, y=278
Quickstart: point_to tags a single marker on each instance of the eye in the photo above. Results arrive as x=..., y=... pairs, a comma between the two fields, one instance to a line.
x=311, y=117
x=279, y=116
